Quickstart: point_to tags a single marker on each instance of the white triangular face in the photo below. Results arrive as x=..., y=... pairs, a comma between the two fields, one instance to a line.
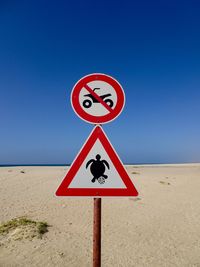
x=97, y=171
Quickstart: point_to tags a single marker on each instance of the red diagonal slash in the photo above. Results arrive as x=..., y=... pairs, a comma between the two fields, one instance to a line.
x=98, y=98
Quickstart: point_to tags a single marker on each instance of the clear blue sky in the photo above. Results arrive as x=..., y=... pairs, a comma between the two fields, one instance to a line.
x=151, y=47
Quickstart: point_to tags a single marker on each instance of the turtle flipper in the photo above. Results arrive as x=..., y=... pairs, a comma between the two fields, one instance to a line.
x=93, y=179
x=88, y=163
x=106, y=163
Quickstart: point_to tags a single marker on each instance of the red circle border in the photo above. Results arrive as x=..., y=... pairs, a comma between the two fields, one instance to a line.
x=97, y=119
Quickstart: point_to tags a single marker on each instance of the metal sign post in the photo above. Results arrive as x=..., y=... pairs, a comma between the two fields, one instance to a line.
x=97, y=233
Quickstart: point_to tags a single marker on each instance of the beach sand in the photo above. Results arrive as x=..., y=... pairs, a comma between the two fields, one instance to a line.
x=160, y=227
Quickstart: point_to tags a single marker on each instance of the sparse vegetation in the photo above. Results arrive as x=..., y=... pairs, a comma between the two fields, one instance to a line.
x=135, y=199
x=135, y=173
x=22, y=223
x=42, y=227
x=162, y=182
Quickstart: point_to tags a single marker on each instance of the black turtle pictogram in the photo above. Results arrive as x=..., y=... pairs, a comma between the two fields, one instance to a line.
x=98, y=168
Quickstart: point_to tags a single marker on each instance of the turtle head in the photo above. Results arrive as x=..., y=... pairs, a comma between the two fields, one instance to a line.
x=98, y=157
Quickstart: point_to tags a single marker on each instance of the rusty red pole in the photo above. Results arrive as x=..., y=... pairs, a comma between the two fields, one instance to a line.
x=97, y=233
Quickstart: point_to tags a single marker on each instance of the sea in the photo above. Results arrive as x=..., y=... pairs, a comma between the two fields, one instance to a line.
x=32, y=165
x=68, y=164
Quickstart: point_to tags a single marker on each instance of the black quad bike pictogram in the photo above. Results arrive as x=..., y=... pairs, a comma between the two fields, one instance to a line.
x=87, y=103
x=97, y=169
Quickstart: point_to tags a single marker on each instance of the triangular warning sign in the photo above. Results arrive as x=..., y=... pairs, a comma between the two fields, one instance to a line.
x=97, y=171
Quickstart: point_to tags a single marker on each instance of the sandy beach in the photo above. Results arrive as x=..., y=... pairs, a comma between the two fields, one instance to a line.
x=160, y=227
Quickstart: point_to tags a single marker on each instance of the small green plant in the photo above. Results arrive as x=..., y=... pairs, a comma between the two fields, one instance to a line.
x=42, y=227
x=39, y=227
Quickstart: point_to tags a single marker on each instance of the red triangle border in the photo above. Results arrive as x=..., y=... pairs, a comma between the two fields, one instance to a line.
x=63, y=189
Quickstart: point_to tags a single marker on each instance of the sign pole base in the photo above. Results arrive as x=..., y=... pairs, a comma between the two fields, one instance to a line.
x=97, y=233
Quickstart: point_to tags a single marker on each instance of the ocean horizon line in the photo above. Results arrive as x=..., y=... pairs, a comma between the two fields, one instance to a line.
x=68, y=164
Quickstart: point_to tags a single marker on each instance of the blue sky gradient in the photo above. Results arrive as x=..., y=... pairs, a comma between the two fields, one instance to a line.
x=150, y=47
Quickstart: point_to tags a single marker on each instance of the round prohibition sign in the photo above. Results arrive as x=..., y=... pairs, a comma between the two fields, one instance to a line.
x=97, y=98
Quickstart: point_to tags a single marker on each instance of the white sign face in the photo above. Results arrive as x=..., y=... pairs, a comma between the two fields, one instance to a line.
x=87, y=176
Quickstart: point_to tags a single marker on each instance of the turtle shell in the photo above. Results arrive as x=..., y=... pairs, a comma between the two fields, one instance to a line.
x=97, y=168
